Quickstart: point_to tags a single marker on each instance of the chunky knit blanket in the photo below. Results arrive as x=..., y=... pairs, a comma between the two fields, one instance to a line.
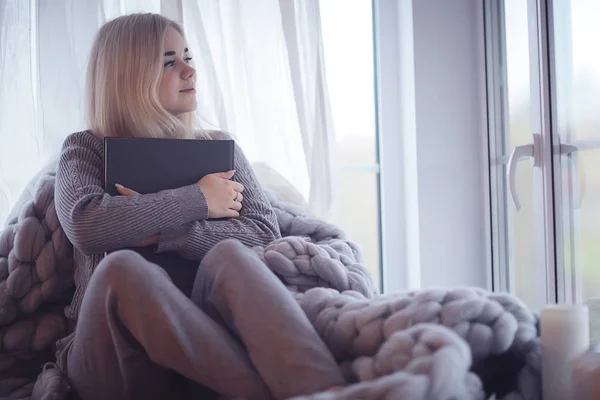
x=462, y=343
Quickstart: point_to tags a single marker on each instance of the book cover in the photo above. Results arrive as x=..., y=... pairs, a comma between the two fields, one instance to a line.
x=149, y=165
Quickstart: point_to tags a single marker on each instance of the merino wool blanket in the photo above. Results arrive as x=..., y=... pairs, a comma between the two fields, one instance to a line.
x=459, y=343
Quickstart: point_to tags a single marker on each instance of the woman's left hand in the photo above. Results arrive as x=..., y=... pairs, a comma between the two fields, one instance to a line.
x=152, y=240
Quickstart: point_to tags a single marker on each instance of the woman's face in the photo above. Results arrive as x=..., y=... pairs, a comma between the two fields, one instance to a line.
x=176, y=92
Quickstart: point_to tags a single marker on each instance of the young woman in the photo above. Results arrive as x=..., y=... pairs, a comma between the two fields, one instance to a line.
x=137, y=335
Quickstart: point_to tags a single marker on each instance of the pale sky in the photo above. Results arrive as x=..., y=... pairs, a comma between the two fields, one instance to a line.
x=585, y=36
x=348, y=42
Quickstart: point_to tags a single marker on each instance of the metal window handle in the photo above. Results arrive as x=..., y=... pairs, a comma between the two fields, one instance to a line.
x=519, y=153
x=579, y=145
x=531, y=150
x=569, y=149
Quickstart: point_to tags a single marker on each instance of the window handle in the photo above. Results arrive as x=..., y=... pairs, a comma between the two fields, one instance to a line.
x=519, y=153
x=569, y=149
x=579, y=145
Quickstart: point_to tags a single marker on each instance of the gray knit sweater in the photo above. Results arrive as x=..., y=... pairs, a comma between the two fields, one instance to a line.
x=96, y=222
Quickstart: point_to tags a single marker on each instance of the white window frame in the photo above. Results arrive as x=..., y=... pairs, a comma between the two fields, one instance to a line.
x=408, y=187
x=400, y=247
x=498, y=120
x=543, y=174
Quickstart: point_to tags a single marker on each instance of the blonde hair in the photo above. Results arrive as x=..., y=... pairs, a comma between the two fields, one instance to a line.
x=124, y=72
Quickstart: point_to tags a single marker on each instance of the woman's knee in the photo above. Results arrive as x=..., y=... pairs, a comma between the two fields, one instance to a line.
x=122, y=265
x=229, y=245
x=118, y=275
x=229, y=253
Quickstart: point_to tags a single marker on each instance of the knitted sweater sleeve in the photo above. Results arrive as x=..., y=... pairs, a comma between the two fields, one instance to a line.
x=96, y=222
x=256, y=226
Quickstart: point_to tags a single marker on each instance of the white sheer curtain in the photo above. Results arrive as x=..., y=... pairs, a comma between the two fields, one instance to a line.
x=260, y=77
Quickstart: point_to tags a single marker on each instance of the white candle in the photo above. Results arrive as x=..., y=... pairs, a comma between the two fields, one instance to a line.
x=565, y=335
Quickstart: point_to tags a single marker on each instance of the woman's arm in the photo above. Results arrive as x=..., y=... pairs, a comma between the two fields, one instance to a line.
x=256, y=226
x=96, y=222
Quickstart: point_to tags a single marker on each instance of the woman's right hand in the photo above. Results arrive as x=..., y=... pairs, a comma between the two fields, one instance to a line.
x=224, y=196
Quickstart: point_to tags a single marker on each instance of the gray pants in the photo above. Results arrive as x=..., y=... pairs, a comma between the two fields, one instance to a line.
x=241, y=334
